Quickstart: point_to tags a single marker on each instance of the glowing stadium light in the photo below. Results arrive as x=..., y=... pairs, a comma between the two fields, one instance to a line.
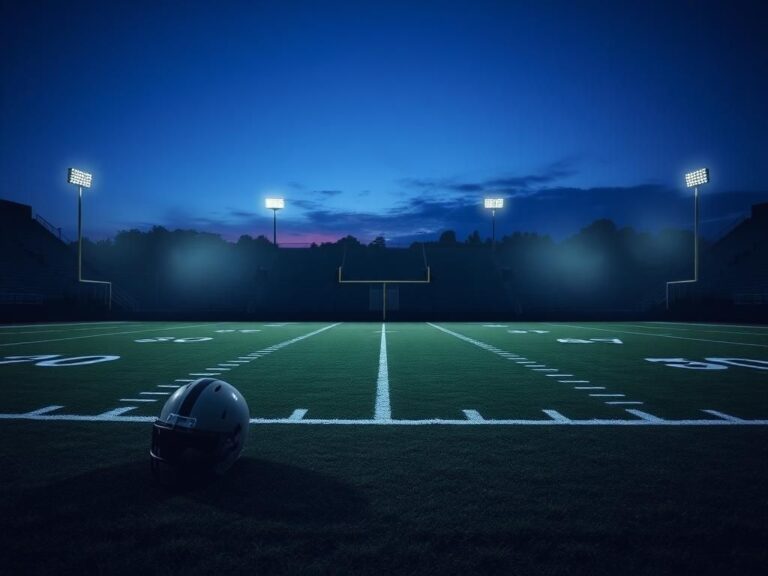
x=274, y=204
x=79, y=178
x=493, y=203
x=83, y=180
x=697, y=177
x=693, y=180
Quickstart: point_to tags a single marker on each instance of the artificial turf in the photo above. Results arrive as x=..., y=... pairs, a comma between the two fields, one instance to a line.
x=77, y=497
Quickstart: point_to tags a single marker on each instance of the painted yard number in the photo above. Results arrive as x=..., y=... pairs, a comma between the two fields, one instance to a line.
x=56, y=360
x=712, y=363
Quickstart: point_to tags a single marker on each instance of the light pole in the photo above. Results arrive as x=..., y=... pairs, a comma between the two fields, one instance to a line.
x=693, y=180
x=492, y=204
x=83, y=180
x=274, y=204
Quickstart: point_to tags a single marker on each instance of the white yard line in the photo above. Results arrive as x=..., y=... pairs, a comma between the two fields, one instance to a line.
x=383, y=410
x=109, y=334
x=555, y=419
x=661, y=335
x=62, y=324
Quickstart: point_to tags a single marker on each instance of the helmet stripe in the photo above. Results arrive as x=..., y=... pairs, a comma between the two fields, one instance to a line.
x=193, y=395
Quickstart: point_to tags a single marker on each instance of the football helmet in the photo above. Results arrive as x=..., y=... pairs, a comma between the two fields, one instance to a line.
x=202, y=428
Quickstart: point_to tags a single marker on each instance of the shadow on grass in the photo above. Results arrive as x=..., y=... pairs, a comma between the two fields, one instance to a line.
x=255, y=489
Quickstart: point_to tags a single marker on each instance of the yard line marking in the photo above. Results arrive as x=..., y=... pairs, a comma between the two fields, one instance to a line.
x=218, y=368
x=573, y=381
x=537, y=366
x=168, y=386
x=204, y=373
x=138, y=400
x=525, y=362
x=723, y=416
x=66, y=330
x=155, y=393
x=44, y=410
x=693, y=330
x=63, y=324
x=183, y=380
x=609, y=395
x=555, y=415
x=560, y=421
x=109, y=334
x=383, y=410
x=235, y=363
x=717, y=325
x=589, y=387
x=558, y=375
x=545, y=370
x=249, y=358
x=662, y=335
x=473, y=415
x=116, y=412
x=616, y=402
x=229, y=365
x=297, y=414
x=644, y=415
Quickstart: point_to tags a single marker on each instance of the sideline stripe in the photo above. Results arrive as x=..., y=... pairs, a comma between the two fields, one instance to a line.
x=661, y=335
x=573, y=381
x=383, y=410
x=91, y=329
x=111, y=334
x=757, y=326
x=589, y=387
x=431, y=422
x=558, y=375
x=64, y=325
x=617, y=402
x=168, y=386
x=138, y=400
x=155, y=393
x=608, y=395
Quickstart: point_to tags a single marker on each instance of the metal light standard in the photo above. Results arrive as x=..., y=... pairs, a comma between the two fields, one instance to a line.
x=274, y=204
x=693, y=180
x=83, y=180
x=492, y=204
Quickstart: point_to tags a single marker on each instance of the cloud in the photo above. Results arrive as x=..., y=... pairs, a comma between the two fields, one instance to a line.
x=510, y=186
x=327, y=193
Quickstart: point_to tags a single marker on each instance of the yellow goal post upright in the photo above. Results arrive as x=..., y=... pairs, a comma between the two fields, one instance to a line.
x=384, y=283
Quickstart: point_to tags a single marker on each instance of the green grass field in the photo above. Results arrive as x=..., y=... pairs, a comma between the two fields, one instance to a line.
x=490, y=448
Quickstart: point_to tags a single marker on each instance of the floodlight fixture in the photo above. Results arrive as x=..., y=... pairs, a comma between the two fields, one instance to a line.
x=493, y=204
x=82, y=180
x=79, y=178
x=697, y=177
x=274, y=204
x=693, y=180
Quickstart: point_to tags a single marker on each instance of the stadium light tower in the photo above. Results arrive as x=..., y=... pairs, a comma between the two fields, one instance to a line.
x=274, y=204
x=492, y=204
x=83, y=180
x=693, y=180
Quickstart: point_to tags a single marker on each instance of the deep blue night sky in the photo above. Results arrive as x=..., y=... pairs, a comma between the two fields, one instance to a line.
x=391, y=118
